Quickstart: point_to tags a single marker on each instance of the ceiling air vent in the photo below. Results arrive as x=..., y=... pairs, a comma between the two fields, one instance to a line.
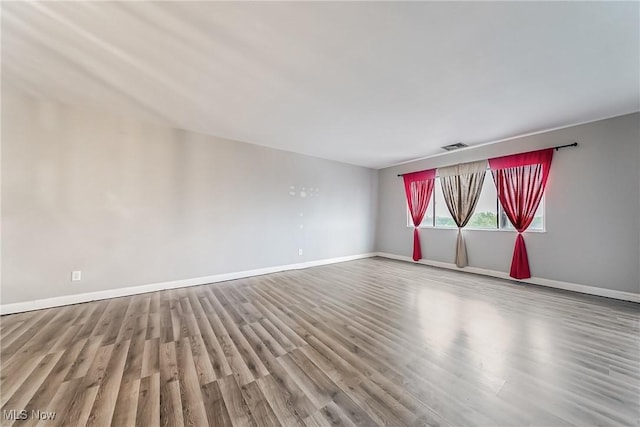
x=455, y=146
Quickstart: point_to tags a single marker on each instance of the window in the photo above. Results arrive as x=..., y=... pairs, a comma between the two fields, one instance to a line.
x=442, y=215
x=488, y=214
x=537, y=224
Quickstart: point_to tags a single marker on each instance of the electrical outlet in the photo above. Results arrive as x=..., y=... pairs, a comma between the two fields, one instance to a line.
x=76, y=276
x=299, y=251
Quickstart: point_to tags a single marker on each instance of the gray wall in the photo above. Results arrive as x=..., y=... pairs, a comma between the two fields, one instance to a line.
x=130, y=203
x=592, y=209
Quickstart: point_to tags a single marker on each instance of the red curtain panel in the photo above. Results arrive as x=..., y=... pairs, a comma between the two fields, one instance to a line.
x=418, y=187
x=520, y=180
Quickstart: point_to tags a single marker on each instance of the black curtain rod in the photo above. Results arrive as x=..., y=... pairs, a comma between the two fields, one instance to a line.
x=557, y=147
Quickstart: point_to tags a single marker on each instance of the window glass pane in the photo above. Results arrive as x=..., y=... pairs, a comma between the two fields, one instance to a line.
x=428, y=217
x=443, y=217
x=504, y=221
x=427, y=221
x=538, y=219
x=536, y=224
x=486, y=212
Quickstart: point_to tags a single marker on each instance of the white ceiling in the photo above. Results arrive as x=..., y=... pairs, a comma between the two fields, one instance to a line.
x=365, y=83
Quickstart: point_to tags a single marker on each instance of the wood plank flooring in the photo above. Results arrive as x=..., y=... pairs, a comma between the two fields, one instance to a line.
x=367, y=342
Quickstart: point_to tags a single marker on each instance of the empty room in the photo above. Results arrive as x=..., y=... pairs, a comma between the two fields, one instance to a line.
x=320, y=213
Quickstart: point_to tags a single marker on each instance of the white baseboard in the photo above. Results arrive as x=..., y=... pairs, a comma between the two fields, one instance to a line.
x=591, y=290
x=19, y=307
x=133, y=290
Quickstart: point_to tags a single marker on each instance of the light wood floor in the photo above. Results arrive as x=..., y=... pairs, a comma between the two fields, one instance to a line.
x=369, y=342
